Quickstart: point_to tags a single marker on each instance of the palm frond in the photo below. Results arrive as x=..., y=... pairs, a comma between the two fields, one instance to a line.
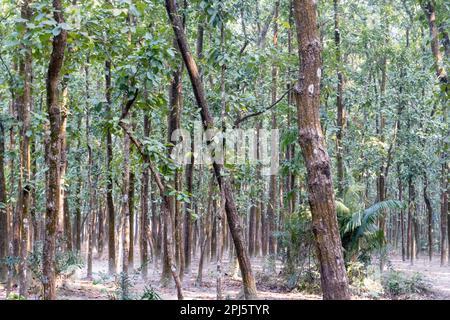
x=363, y=219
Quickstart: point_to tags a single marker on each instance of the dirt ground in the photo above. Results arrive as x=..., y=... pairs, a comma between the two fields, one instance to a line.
x=102, y=287
x=437, y=276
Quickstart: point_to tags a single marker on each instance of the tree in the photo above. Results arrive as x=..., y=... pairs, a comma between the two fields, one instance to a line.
x=54, y=153
x=320, y=186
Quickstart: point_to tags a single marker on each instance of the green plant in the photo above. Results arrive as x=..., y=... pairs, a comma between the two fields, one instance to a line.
x=359, y=231
x=124, y=284
x=396, y=283
x=150, y=294
x=15, y=296
x=66, y=262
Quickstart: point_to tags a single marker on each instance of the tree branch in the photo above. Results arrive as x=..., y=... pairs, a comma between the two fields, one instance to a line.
x=239, y=121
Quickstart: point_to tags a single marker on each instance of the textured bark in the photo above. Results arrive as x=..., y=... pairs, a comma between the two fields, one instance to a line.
x=441, y=73
x=320, y=186
x=125, y=204
x=429, y=207
x=145, y=182
x=53, y=188
x=3, y=211
x=444, y=215
x=430, y=13
x=131, y=216
x=251, y=230
x=100, y=229
x=224, y=185
x=188, y=213
x=402, y=219
x=411, y=213
x=77, y=227
x=339, y=103
x=109, y=186
x=24, y=186
x=272, y=206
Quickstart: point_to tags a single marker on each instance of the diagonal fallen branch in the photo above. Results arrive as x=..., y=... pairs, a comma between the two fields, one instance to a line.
x=251, y=115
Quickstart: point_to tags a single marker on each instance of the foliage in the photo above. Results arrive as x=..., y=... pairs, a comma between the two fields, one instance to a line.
x=150, y=294
x=360, y=233
x=15, y=296
x=66, y=262
x=396, y=283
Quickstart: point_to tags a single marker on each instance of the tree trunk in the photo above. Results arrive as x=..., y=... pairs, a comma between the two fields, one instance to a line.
x=53, y=188
x=427, y=200
x=402, y=219
x=109, y=186
x=3, y=211
x=339, y=102
x=131, y=216
x=24, y=181
x=411, y=213
x=320, y=186
x=144, y=206
x=444, y=215
x=272, y=206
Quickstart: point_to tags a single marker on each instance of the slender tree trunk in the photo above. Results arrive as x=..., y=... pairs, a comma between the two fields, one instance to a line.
x=53, y=188
x=411, y=213
x=321, y=194
x=109, y=186
x=402, y=219
x=339, y=102
x=144, y=206
x=125, y=204
x=24, y=181
x=427, y=200
x=444, y=215
x=272, y=206
x=131, y=216
x=3, y=211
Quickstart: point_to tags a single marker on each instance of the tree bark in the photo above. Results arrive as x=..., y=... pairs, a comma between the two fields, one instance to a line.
x=339, y=103
x=53, y=188
x=24, y=181
x=272, y=206
x=429, y=207
x=109, y=186
x=320, y=186
x=3, y=211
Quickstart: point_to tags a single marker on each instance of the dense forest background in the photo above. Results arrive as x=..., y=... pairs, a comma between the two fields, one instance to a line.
x=93, y=205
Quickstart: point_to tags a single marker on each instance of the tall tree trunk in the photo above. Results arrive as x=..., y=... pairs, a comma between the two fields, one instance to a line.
x=272, y=206
x=144, y=206
x=402, y=219
x=339, y=102
x=109, y=186
x=320, y=186
x=24, y=181
x=125, y=204
x=444, y=215
x=411, y=213
x=131, y=216
x=208, y=122
x=54, y=185
x=429, y=207
x=3, y=211
x=78, y=200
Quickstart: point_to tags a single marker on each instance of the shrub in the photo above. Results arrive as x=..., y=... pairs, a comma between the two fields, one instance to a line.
x=150, y=294
x=396, y=283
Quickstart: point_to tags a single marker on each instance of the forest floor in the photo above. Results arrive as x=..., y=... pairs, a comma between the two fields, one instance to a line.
x=102, y=287
x=437, y=276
